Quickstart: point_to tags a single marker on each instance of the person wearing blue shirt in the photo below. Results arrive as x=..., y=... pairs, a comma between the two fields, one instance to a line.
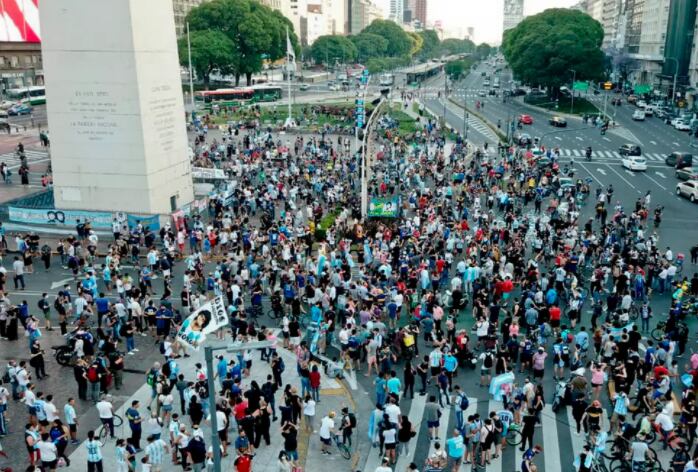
x=450, y=365
x=222, y=368
x=551, y=296
x=380, y=384
x=455, y=449
x=134, y=422
x=393, y=384
x=163, y=318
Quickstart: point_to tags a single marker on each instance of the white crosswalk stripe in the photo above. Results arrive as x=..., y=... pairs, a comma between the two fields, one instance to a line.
x=576, y=153
x=612, y=156
x=12, y=160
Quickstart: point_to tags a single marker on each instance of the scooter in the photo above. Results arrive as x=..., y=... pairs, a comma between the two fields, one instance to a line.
x=560, y=395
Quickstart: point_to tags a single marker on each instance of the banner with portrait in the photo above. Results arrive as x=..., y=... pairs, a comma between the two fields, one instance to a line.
x=210, y=317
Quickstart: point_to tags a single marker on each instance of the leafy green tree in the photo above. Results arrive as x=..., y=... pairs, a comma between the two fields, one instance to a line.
x=457, y=69
x=417, y=43
x=255, y=30
x=399, y=42
x=430, y=44
x=483, y=50
x=331, y=48
x=456, y=46
x=369, y=45
x=209, y=50
x=543, y=48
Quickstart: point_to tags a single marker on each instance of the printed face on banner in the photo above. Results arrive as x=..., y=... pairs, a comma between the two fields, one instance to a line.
x=207, y=319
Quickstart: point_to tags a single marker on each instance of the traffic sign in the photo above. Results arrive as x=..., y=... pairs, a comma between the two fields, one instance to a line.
x=580, y=86
x=641, y=89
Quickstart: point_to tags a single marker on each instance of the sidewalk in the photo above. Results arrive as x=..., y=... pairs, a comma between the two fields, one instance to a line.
x=333, y=397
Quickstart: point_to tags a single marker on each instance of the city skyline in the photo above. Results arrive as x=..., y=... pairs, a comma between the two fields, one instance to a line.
x=487, y=16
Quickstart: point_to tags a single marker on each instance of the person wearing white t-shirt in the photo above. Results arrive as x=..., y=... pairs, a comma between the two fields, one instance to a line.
x=326, y=431
x=48, y=452
x=309, y=412
x=50, y=409
x=106, y=414
x=385, y=466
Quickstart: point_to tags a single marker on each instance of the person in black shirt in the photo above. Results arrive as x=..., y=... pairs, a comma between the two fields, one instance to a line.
x=289, y=431
x=529, y=424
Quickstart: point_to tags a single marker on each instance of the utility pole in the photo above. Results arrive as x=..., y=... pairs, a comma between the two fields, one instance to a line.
x=676, y=74
x=191, y=74
x=208, y=356
x=445, y=92
x=574, y=76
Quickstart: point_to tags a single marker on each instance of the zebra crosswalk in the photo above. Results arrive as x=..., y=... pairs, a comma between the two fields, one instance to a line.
x=655, y=157
x=556, y=435
x=13, y=161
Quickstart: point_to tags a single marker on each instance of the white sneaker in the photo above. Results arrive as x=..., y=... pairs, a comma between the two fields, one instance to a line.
x=130, y=353
x=135, y=349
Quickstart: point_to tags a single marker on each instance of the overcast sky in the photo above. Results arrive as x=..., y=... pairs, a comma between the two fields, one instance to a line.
x=484, y=16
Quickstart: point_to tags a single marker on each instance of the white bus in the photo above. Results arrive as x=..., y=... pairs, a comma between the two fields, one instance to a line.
x=35, y=95
x=387, y=80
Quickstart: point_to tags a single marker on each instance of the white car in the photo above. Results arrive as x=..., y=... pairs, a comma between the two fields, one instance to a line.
x=639, y=115
x=634, y=163
x=682, y=126
x=641, y=104
x=688, y=189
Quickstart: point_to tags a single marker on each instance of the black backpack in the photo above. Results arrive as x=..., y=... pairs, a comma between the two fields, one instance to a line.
x=352, y=420
x=488, y=360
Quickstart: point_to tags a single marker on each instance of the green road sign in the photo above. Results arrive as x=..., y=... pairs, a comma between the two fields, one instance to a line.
x=641, y=89
x=580, y=86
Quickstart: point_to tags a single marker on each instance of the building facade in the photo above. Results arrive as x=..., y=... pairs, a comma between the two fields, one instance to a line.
x=20, y=65
x=610, y=14
x=420, y=11
x=181, y=8
x=397, y=11
x=513, y=13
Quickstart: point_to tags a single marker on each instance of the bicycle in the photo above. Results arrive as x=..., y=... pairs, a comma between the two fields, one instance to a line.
x=343, y=448
x=103, y=431
x=659, y=331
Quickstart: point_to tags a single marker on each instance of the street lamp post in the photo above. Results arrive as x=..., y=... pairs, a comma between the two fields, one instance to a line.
x=676, y=74
x=208, y=356
x=574, y=77
x=364, y=162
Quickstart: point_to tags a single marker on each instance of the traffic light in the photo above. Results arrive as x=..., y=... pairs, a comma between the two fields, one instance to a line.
x=607, y=85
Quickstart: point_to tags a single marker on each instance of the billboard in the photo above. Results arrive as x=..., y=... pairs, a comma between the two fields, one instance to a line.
x=19, y=21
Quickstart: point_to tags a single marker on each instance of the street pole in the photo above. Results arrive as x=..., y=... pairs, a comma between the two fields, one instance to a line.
x=191, y=73
x=364, y=161
x=605, y=99
x=574, y=76
x=208, y=356
x=445, y=91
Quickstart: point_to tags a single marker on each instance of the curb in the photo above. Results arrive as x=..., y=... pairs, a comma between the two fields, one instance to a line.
x=502, y=137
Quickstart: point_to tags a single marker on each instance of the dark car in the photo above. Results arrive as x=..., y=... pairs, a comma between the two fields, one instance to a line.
x=524, y=139
x=687, y=173
x=558, y=122
x=679, y=160
x=630, y=150
x=616, y=101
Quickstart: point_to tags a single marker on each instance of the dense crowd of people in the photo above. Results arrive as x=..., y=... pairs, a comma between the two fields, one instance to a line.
x=489, y=240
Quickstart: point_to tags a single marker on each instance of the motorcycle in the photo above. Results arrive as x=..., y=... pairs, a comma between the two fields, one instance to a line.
x=560, y=395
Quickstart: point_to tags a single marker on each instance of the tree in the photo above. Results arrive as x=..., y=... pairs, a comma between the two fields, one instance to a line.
x=543, y=48
x=430, y=44
x=457, y=69
x=457, y=46
x=369, y=45
x=255, y=30
x=417, y=43
x=209, y=50
x=331, y=48
x=483, y=50
x=399, y=42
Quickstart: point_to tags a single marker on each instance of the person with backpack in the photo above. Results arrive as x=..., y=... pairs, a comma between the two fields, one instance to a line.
x=461, y=404
x=347, y=425
x=487, y=359
x=93, y=377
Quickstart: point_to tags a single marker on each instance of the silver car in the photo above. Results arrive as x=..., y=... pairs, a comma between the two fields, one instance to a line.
x=688, y=189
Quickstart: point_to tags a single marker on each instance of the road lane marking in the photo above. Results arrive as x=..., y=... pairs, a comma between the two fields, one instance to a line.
x=576, y=153
x=601, y=171
x=590, y=173
x=416, y=416
x=660, y=174
x=558, y=138
x=653, y=142
x=551, y=457
x=607, y=139
x=579, y=138
x=623, y=178
x=656, y=183
x=675, y=143
x=629, y=172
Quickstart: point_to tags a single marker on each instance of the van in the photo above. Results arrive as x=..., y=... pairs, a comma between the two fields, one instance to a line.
x=679, y=160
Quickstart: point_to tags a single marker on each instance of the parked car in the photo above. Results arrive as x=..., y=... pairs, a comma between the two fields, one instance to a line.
x=681, y=125
x=304, y=87
x=19, y=109
x=639, y=115
x=634, y=162
x=526, y=119
x=629, y=149
x=632, y=98
x=558, y=122
x=688, y=189
x=679, y=160
x=687, y=173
